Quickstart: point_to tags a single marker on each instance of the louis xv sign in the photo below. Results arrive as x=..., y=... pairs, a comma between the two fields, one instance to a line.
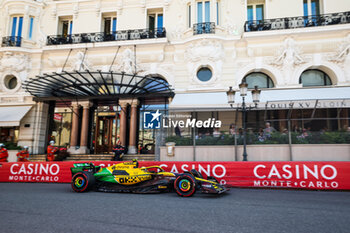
x=304, y=104
x=308, y=104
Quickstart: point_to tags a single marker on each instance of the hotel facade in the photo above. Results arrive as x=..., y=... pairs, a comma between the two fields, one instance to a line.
x=84, y=73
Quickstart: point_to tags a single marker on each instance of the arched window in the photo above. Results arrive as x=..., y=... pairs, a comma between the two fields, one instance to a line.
x=258, y=79
x=314, y=78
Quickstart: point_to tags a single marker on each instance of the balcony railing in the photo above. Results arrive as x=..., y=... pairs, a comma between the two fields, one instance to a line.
x=204, y=28
x=11, y=41
x=297, y=22
x=94, y=37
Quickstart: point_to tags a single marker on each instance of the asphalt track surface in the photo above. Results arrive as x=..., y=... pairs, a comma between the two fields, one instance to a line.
x=26, y=207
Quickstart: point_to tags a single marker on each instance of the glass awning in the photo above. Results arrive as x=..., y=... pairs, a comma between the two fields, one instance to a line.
x=270, y=99
x=91, y=84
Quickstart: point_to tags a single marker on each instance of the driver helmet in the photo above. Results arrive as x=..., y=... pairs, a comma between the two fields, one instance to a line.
x=25, y=147
x=2, y=145
x=52, y=142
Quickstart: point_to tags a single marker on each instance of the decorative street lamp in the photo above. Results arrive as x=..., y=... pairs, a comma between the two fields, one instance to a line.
x=231, y=96
x=256, y=95
x=243, y=89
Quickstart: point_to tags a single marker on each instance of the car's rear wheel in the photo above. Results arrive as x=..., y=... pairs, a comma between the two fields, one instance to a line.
x=185, y=185
x=83, y=181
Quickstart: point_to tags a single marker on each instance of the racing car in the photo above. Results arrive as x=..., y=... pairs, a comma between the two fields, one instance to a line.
x=129, y=177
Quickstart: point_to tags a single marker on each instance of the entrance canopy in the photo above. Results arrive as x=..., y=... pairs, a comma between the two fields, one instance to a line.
x=11, y=116
x=91, y=84
x=333, y=97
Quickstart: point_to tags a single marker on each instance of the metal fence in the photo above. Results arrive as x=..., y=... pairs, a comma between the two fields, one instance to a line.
x=297, y=22
x=95, y=37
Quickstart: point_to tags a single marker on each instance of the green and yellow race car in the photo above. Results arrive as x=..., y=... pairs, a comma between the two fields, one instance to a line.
x=129, y=177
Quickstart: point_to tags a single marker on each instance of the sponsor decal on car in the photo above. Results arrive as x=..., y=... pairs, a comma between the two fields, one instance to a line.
x=132, y=179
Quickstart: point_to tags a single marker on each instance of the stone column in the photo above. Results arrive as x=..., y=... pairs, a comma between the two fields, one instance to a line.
x=193, y=12
x=133, y=127
x=25, y=25
x=40, y=128
x=75, y=128
x=344, y=123
x=213, y=16
x=282, y=114
x=84, y=128
x=122, y=131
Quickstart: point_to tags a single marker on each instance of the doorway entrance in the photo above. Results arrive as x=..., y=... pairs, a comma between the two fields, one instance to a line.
x=107, y=128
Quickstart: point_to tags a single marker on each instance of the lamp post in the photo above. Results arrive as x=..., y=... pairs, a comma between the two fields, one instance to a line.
x=243, y=87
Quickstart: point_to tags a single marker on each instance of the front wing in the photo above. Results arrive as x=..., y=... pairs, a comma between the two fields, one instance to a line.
x=207, y=186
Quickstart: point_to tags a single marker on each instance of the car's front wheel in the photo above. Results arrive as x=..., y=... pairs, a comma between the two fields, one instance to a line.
x=185, y=185
x=83, y=181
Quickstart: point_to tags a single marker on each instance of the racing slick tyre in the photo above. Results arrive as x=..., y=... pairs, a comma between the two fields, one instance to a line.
x=185, y=185
x=83, y=181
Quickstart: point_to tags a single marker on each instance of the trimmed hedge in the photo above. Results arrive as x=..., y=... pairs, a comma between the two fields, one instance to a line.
x=11, y=146
x=337, y=137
